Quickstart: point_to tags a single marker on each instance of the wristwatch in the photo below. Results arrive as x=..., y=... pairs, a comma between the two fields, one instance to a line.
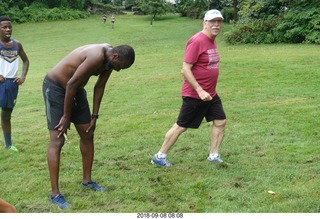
x=94, y=116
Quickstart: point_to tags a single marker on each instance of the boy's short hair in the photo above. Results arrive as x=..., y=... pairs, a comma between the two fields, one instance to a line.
x=4, y=18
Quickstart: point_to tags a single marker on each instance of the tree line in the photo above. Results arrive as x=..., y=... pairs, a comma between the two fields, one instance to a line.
x=254, y=21
x=262, y=21
x=276, y=21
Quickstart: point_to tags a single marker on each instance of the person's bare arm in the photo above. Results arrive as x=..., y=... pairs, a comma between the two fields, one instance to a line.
x=81, y=76
x=99, y=89
x=2, y=79
x=187, y=72
x=5, y=207
x=25, y=65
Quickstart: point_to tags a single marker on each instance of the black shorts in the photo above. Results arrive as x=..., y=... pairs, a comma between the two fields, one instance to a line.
x=53, y=94
x=193, y=111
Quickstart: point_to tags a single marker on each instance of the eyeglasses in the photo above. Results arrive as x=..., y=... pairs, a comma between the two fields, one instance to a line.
x=215, y=21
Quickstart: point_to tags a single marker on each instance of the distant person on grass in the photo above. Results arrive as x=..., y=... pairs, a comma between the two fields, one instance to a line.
x=66, y=101
x=6, y=207
x=113, y=20
x=200, y=69
x=10, y=51
x=104, y=18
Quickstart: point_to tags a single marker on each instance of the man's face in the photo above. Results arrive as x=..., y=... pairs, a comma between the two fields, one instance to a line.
x=115, y=65
x=5, y=29
x=213, y=26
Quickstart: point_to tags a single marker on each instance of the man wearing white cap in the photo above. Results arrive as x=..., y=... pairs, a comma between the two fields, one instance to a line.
x=200, y=69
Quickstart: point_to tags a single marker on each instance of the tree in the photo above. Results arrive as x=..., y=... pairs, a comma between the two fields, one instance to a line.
x=235, y=10
x=154, y=8
x=185, y=7
x=276, y=21
x=197, y=8
x=300, y=23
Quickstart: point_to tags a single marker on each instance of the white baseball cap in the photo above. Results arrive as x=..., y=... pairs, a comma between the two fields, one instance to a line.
x=212, y=14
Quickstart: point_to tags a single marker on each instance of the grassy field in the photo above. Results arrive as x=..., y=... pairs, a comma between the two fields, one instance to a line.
x=270, y=94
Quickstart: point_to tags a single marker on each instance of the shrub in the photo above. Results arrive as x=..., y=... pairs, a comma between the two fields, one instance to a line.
x=252, y=31
x=228, y=14
x=38, y=12
x=298, y=25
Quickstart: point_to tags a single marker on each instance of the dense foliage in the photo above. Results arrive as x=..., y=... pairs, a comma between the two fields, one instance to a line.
x=274, y=21
x=21, y=11
x=43, y=10
x=300, y=25
x=262, y=21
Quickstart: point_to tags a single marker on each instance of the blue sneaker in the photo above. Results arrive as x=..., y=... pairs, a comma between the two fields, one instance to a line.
x=215, y=159
x=60, y=201
x=93, y=185
x=160, y=161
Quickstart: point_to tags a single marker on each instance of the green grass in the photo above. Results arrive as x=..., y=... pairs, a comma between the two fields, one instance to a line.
x=270, y=94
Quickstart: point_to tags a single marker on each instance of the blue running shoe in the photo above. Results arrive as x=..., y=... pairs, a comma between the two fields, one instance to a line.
x=215, y=159
x=93, y=185
x=60, y=201
x=160, y=161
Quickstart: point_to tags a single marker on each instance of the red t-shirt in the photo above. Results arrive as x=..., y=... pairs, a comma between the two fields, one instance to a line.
x=202, y=53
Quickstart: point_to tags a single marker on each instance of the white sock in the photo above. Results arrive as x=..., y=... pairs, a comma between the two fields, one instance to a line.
x=161, y=155
x=213, y=155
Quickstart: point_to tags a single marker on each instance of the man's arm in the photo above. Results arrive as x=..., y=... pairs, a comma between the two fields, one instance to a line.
x=78, y=79
x=187, y=72
x=99, y=89
x=5, y=207
x=25, y=65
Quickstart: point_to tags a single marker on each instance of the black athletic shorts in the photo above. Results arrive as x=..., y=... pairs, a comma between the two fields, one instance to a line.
x=193, y=111
x=53, y=94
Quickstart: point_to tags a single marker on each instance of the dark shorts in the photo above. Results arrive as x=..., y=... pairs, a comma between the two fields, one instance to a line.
x=193, y=111
x=8, y=93
x=53, y=94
